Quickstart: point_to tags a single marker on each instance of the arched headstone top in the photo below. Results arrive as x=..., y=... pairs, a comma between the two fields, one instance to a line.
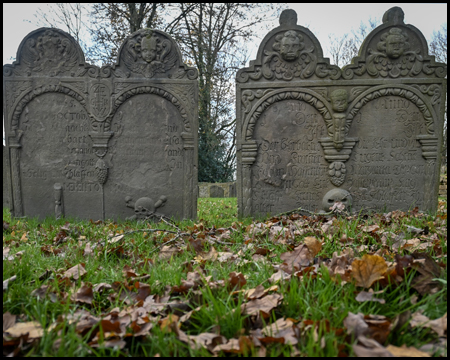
x=394, y=49
x=289, y=52
x=153, y=54
x=47, y=52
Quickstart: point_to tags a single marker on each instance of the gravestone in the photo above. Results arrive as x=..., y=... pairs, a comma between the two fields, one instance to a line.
x=232, y=190
x=114, y=142
x=6, y=202
x=216, y=191
x=310, y=134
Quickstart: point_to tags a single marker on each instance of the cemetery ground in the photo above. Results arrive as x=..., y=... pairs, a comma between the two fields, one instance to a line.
x=291, y=285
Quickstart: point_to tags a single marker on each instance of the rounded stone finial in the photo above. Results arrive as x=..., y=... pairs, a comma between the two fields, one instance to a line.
x=395, y=15
x=288, y=17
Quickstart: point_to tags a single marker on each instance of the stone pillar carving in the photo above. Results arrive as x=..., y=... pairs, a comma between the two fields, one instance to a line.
x=429, y=144
x=249, y=153
x=15, y=146
x=190, y=174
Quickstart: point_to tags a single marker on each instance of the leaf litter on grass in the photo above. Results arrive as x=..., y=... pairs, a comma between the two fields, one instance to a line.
x=371, y=256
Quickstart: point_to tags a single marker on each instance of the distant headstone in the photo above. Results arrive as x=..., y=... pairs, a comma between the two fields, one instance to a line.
x=311, y=134
x=232, y=190
x=114, y=142
x=216, y=191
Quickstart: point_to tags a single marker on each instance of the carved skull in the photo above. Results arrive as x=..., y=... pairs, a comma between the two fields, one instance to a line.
x=143, y=207
x=335, y=195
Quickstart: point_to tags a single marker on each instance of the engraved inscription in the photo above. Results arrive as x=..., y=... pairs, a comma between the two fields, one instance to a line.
x=57, y=148
x=290, y=169
x=149, y=148
x=386, y=169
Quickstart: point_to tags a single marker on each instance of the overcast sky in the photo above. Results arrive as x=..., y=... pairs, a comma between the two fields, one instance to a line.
x=322, y=19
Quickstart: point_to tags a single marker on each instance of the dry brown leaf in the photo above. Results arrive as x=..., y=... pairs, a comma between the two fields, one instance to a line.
x=355, y=324
x=169, y=323
x=225, y=256
x=236, y=280
x=371, y=228
x=406, y=351
x=438, y=325
x=282, y=328
x=279, y=275
x=8, y=320
x=300, y=256
x=33, y=328
x=88, y=250
x=231, y=346
x=167, y=252
x=313, y=244
x=206, y=340
x=368, y=296
x=255, y=293
x=361, y=351
x=368, y=270
x=84, y=295
x=7, y=281
x=76, y=272
x=266, y=304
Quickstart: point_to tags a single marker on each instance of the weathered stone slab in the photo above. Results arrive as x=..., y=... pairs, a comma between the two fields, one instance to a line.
x=232, y=190
x=93, y=143
x=6, y=202
x=310, y=134
x=216, y=191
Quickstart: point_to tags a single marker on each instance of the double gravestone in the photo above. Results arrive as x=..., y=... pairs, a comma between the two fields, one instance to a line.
x=113, y=142
x=311, y=134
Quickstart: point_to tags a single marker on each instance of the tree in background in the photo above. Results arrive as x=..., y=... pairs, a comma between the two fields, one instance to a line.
x=438, y=48
x=343, y=49
x=214, y=36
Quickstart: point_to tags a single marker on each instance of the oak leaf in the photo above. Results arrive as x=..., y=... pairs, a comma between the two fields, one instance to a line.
x=313, y=244
x=368, y=270
x=406, y=351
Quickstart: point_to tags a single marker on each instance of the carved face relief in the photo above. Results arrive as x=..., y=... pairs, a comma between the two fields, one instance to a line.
x=290, y=46
x=339, y=100
x=149, y=48
x=336, y=195
x=394, y=46
x=394, y=43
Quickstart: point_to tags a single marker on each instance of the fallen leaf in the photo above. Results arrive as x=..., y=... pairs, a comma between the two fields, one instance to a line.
x=76, y=272
x=368, y=296
x=266, y=304
x=84, y=295
x=371, y=228
x=368, y=270
x=438, y=325
x=88, y=250
x=8, y=320
x=404, y=351
x=300, y=256
x=7, y=281
x=282, y=328
x=32, y=328
x=236, y=280
x=314, y=245
x=355, y=324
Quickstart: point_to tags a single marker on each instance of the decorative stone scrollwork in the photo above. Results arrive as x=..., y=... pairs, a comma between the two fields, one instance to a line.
x=150, y=53
x=394, y=50
x=337, y=171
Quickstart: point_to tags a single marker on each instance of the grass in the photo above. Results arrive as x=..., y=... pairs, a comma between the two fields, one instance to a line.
x=320, y=300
